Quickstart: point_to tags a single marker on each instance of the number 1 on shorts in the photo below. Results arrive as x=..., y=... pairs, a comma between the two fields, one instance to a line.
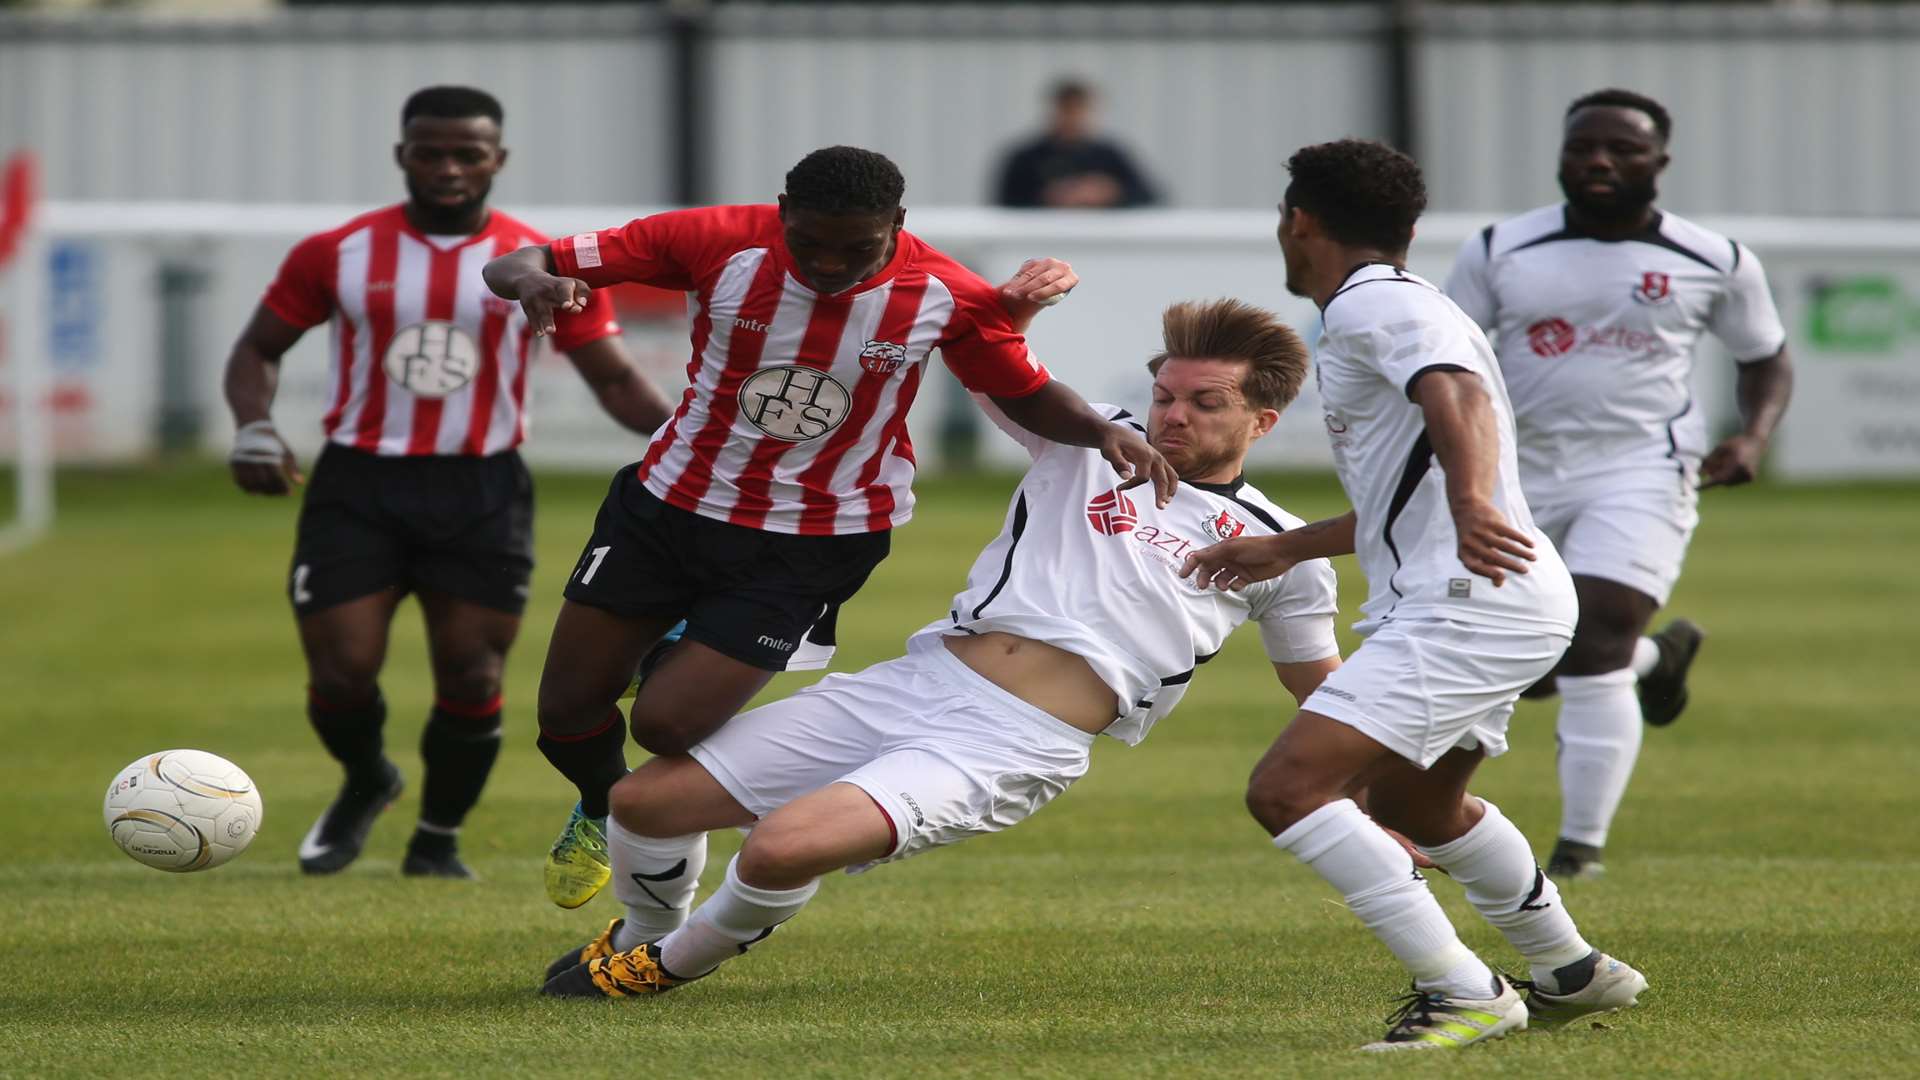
x=599, y=555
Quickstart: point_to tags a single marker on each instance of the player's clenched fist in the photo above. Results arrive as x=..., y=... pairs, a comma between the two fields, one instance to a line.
x=261, y=461
x=1235, y=564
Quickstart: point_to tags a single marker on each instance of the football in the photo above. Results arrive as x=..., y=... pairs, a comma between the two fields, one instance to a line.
x=182, y=810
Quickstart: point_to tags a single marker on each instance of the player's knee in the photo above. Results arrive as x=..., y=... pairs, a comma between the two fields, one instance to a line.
x=343, y=681
x=564, y=710
x=473, y=680
x=640, y=807
x=1279, y=797
x=663, y=732
x=779, y=857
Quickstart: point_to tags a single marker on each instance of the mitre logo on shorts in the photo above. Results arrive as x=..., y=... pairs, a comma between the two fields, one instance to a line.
x=882, y=357
x=1112, y=513
x=794, y=403
x=1223, y=526
x=1655, y=288
x=1552, y=337
x=431, y=359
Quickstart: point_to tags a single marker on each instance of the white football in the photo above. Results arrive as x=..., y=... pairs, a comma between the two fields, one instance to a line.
x=182, y=810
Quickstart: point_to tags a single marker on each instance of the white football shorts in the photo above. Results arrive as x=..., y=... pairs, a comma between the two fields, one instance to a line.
x=1422, y=687
x=1635, y=535
x=944, y=753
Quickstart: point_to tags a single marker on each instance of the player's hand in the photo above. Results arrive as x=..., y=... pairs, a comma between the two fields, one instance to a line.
x=1489, y=546
x=1420, y=860
x=1734, y=462
x=261, y=461
x=1138, y=463
x=542, y=296
x=1238, y=563
x=1038, y=284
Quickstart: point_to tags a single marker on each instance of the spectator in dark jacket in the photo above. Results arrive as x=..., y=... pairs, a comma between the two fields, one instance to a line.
x=1068, y=165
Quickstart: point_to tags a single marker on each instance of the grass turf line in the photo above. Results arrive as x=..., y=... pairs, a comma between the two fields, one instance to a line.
x=1761, y=871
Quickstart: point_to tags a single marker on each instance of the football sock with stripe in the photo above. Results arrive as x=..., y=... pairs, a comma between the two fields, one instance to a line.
x=655, y=879
x=735, y=917
x=459, y=745
x=1600, y=730
x=1381, y=886
x=593, y=761
x=351, y=732
x=1493, y=863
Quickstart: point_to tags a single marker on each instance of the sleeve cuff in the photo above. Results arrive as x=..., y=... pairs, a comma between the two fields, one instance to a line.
x=1415, y=377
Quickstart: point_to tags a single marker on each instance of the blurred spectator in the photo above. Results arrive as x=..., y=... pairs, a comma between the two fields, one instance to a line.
x=1068, y=166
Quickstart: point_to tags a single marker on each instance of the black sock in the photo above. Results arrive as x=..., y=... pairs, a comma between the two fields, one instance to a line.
x=351, y=733
x=459, y=748
x=431, y=844
x=594, y=761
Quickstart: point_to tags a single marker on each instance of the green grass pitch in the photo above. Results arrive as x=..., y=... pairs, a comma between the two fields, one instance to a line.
x=1763, y=872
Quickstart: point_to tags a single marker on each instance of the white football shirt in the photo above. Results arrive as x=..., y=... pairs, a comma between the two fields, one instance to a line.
x=1382, y=330
x=1084, y=567
x=1596, y=340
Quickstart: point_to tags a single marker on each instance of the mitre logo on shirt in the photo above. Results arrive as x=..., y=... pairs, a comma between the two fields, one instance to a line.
x=882, y=357
x=1111, y=513
x=432, y=358
x=1655, y=288
x=794, y=403
x=1223, y=526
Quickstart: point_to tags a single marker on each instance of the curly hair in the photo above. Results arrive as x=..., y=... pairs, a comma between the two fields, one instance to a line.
x=451, y=103
x=1234, y=330
x=1364, y=193
x=1627, y=99
x=845, y=180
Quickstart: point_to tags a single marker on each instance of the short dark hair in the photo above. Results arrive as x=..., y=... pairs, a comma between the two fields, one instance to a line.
x=1365, y=193
x=845, y=180
x=1229, y=329
x=1627, y=99
x=451, y=103
x=1070, y=90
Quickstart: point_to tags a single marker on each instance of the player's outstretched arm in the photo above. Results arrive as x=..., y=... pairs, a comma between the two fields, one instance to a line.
x=1057, y=413
x=627, y=395
x=1235, y=564
x=1466, y=442
x=261, y=462
x=1762, y=393
x=527, y=275
x=1037, y=285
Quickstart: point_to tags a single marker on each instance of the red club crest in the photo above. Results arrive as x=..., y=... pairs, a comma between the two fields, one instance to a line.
x=883, y=357
x=1223, y=526
x=1551, y=337
x=1112, y=513
x=1655, y=288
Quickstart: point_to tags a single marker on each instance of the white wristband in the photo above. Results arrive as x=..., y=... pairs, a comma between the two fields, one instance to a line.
x=258, y=444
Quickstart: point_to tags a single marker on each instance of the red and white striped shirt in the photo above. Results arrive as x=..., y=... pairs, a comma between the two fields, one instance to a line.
x=795, y=416
x=425, y=359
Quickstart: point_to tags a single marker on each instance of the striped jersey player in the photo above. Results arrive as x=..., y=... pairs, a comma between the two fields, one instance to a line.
x=419, y=488
x=771, y=495
x=1598, y=306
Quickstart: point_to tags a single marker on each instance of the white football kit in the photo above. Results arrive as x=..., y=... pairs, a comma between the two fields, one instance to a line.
x=1596, y=341
x=1078, y=565
x=1447, y=653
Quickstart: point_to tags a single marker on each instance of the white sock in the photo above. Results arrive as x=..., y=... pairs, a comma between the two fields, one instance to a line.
x=1381, y=886
x=1600, y=731
x=1503, y=883
x=660, y=897
x=735, y=917
x=1645, y=655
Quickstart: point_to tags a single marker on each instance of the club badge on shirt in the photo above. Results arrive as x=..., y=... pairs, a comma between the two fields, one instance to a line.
x=1223, y=526
x=1655, y=288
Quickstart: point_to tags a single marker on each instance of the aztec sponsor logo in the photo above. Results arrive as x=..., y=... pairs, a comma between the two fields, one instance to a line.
x=1555, y=336
x=793, y=403
x=1655, y=288
x=1111, y=513
x=882, y=357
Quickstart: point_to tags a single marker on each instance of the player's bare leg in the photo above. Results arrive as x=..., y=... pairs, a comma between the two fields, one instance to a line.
x=345, y=647
x=1297, y=793
x=1474, y=843
x=591, y=659
x=1600, y=725
x=468, y=643
x=769, y=882
x=690, y=692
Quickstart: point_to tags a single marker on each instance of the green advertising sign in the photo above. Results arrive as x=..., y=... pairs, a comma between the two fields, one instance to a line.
x=1864, y=314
